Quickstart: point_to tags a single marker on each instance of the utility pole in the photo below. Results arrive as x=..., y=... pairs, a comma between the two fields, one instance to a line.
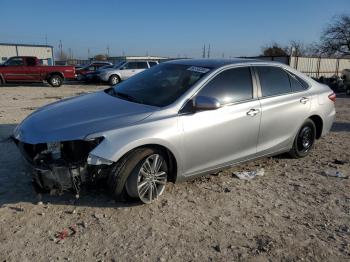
x=70, y=53
x=46, y=39
x=107, y=51
x=60, y=47
x=88, y=53
x=203, y=55
x=208, y=56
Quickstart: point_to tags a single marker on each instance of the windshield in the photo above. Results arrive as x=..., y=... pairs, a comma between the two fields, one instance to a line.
x=160, y=85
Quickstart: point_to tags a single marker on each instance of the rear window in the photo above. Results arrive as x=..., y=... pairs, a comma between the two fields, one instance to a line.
x=273, y=81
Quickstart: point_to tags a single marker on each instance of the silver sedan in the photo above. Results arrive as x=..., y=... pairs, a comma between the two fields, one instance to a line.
x=173, y=122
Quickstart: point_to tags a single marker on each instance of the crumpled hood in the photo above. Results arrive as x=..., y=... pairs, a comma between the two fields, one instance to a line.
x=75, y=118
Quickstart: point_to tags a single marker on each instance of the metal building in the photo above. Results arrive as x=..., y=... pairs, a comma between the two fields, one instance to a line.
x=43, y=52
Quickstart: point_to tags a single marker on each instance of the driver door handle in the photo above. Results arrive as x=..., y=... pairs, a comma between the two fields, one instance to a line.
x=253, y=112
x=304, y=100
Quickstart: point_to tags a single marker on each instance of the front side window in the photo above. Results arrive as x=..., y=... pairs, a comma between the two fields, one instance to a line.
x=230, y=86
x=16, y=61
x=130, y=65
x=273, y=81
x=160, y=85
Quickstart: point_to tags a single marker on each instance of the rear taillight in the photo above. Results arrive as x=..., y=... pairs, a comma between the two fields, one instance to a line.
x=332, y=97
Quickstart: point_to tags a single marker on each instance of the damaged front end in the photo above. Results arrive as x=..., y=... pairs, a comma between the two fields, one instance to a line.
x=62, y=166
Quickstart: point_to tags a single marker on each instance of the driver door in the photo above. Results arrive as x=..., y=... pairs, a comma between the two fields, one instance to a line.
x=217, y=138
x=15, y=70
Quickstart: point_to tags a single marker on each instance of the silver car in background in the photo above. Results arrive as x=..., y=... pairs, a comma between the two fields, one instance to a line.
x=122, y=71
x=173, y=122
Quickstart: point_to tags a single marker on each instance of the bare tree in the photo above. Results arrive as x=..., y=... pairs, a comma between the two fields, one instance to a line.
x=335, y=39
x=274, y=50
x=61, y=56
x=297, y=48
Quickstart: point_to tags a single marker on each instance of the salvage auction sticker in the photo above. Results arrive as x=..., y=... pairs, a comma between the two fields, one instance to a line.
x=202, y=70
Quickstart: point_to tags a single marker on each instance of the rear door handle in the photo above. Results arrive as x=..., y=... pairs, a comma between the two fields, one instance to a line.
x=253, y=112
x=304, y=100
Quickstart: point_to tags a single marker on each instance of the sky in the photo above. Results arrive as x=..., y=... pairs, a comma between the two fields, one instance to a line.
x=167, y=28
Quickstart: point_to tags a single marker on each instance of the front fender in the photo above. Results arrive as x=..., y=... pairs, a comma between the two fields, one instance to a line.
x=118, y=142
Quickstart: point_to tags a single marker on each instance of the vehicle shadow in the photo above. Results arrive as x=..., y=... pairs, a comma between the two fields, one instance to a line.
x=16, y=183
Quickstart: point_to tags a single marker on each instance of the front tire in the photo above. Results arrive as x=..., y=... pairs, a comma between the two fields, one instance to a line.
x=304, y=140
x=141, y=174
x=55, y=80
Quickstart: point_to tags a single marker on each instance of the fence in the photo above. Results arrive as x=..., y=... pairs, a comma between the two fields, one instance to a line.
x=313, y=66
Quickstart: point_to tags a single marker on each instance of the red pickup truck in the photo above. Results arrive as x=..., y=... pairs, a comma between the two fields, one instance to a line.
x=29, y=69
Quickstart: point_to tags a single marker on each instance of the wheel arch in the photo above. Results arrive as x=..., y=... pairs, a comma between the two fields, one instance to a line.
x=54, y=73
x=318, y=123
x=117, y=151
x=170, y=158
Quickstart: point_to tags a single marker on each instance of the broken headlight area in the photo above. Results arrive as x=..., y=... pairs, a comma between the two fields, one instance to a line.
x=62, y=166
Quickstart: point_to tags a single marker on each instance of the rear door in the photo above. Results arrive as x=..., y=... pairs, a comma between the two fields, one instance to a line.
x=284, y=104
x=220, y=137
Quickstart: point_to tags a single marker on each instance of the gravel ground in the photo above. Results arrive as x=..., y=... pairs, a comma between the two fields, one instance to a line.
x=291, y=213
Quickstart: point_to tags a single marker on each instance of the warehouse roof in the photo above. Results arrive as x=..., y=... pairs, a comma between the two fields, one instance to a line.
x=30, y=45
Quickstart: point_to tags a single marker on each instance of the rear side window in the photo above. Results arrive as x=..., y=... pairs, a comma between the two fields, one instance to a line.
x=232, y=85
x=273, y=81
x=131, y=65
x=296, y=84
x=142, y=65
x=31, y=61
x=152, y=63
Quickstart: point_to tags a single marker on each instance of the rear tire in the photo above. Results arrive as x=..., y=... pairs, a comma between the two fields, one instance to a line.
x=113, y=80
x=55, y=80
x=128, y=178
x=304, y=140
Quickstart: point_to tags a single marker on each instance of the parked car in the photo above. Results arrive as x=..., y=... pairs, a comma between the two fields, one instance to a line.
x=120, y=72
x=173, y=122
x=28, y=69
x=346, y=80
x=92, y=67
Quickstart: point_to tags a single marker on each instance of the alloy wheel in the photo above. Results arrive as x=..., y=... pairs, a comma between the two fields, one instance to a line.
x=151, y=179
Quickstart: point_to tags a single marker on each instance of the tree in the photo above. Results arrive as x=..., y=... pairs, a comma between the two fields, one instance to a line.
x=335, y=38
x=100, y=57
x=61, y=56
x=274, y=50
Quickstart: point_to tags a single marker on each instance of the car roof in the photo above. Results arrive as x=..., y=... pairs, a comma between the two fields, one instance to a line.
x=216, y=63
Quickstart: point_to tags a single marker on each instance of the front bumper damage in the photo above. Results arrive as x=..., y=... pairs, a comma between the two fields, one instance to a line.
x=64, y=167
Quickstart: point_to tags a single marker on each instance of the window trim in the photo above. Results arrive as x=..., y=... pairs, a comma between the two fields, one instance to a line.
x=254, y=86
x=289, y=74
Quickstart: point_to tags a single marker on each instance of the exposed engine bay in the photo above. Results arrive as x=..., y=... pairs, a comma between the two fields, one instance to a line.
x=62, y=166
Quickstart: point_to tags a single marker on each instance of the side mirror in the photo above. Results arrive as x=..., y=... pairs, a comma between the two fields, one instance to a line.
x=201, y=103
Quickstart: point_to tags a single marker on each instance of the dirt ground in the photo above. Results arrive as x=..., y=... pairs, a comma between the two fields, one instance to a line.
x=291, y=213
